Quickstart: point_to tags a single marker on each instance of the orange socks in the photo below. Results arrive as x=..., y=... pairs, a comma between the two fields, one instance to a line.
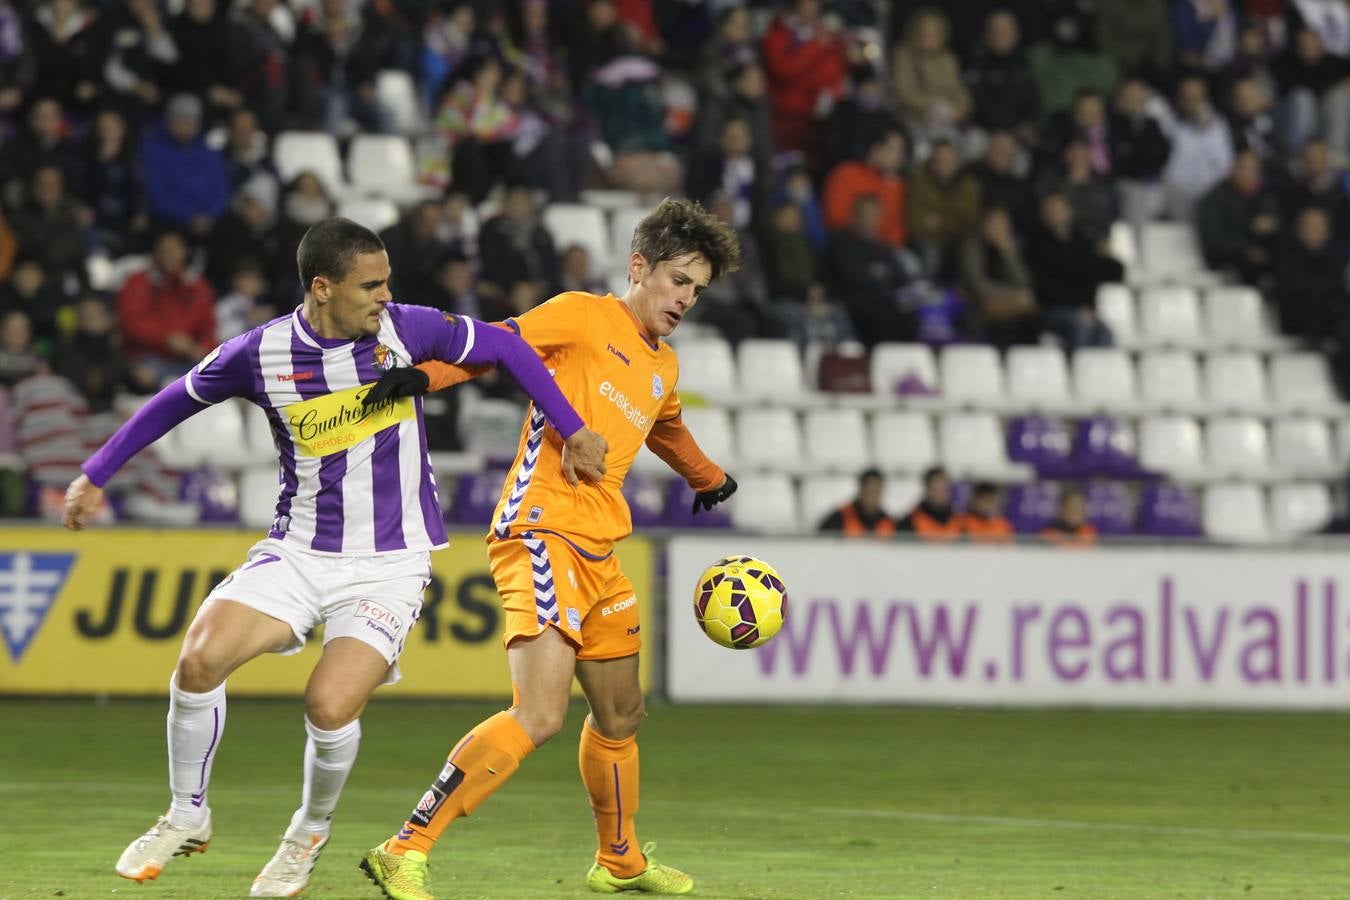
x=610, y=772
x=479, y=764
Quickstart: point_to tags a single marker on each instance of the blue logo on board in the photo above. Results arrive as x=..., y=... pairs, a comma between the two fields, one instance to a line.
x=29, y=586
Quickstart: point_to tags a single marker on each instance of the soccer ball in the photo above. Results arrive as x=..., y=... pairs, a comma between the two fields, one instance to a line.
x=740, y=602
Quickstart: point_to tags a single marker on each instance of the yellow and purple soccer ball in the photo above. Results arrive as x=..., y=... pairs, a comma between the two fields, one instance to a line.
x=740, y=602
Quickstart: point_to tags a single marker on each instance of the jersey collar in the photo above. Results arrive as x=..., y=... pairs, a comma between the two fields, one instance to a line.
x=632, y=317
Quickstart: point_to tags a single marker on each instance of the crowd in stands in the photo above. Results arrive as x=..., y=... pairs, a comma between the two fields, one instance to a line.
x=897, y=171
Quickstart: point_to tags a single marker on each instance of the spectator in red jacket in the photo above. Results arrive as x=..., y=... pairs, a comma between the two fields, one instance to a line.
x=877, y=175
x=167, y=314
x=806, y=61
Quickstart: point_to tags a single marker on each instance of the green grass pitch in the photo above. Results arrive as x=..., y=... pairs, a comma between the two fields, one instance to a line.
x=800, y=803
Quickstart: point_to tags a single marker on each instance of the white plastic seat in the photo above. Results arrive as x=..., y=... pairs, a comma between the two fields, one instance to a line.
x=623, y=222
x=1169, y=251
x=707, y=369
x=1343, y=443
x=573, y=223
x=1301, y=382
x=1303, y=448
x=1122, y=244
x=1169, y=381
x=1299, y=509
x=1103, y=380
x=1235, y=512
x=375, y=213
x=901, y=495
x=213, y=437
x=711, y=428
x=1235, y=316
x=766, y=504
x=396, y=96
x=1238, y=445
x=769, y=368
x=259, y=487
x=1038, y=379
x=296, y=152
x=892, y=364
x=821, y=495
x=1172, y=445
x=769, y=439
x=1170, y=317
x=1116, y=308
x=904, y=442
x=837, y=440
x=381, y=165
x=971, y=376
x=1235, y=381
x=973, y=446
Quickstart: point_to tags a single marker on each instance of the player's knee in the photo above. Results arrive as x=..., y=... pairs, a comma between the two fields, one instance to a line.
x=330, y=713
x=622, y=720
x=541, y=721
x=197, y=673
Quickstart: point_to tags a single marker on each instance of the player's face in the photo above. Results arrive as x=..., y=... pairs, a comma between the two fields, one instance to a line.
x=354, y=304
x=668, y=290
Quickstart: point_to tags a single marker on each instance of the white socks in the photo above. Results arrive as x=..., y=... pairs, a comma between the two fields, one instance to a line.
x=329, y=757
x=195, y=724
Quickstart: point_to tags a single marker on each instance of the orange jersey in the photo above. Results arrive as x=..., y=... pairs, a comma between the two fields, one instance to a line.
x=622, y=384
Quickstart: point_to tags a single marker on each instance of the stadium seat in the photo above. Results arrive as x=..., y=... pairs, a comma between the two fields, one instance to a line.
x=1031, y=507
x=381, y=165
x=1169, y=252
x=679, y=509
x=213, y=437
x=1236, y=513
x=1104, y=445
x=1123, y=244
x=1116, y=307
x=623, y=222
x=1170, y=317
x=1172, y=445
x=375, y=213
x=1235, y=317
x=1043, y=443
x=1238, y=446
x=1235, y=381
x=973, y=447
x=1110, y=507
x=972, y=376
x=1299, y=509
x=822, y=495
x=1343, y=443
x=900, y=496
x=396, y=96
x=1303, y=448
x=1169, y=510
x=904, y=442
x=646, y=499
x=259, y=487
x=215, y=494
x=1301, y=382
x=765, y=503
x=837, y=440
x=572, y=223
x=1104, y=381
x=707, y=370
x=769, y=439
x=771, y=369
x=711, y=428
x=611, y=200
x=908, y=370
x=1038, y=379
x=297, y=152
x=476, y=496
x=1169, y=381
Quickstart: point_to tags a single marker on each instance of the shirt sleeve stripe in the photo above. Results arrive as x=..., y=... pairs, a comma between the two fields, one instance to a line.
x=187, y=383
x=468, y=339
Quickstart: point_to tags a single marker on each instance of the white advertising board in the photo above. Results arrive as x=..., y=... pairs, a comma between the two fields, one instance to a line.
x=966, y=625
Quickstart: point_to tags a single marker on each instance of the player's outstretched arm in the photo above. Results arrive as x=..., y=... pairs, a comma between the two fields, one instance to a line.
x=672, y=442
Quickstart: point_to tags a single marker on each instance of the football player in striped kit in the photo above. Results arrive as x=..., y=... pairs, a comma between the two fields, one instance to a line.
x=356, y=519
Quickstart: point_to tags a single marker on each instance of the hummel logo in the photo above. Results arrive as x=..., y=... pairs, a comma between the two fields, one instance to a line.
x=295, y=376
x=618, y=353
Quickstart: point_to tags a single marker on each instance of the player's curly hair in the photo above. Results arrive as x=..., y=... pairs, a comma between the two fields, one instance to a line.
x=680, y=227
x=330, y=249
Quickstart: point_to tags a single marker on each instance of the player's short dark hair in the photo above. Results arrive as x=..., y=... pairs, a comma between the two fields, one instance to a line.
x=329, y=249
x=680, y=227
x=869, y=474
x=984, y=489
x=932, y=473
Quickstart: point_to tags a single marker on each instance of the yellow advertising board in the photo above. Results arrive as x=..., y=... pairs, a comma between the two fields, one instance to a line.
x=104, y=612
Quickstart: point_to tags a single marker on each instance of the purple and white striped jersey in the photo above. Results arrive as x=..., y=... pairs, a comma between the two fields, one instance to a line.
x=352, y=481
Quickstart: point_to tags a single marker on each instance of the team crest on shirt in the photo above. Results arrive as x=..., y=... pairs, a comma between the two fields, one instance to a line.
x=657, y=388
x=384, y=360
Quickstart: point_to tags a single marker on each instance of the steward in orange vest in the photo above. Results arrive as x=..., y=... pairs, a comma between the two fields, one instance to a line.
x=933, y=518
x=982, y=520
x=1071, y=528
x=864, y=515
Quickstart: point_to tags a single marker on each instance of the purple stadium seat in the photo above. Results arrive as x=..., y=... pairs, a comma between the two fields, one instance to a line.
x=681, y=498
x=961, y=492
x=1110, y=507
x=476, y=497
x=1041, y=442
x=1031, y=507
x=1104, y=446
x=1169, y=510
x=645, y=499
x=214, y=493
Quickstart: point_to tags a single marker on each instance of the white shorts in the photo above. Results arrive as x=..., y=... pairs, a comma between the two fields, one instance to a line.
x=375, y=599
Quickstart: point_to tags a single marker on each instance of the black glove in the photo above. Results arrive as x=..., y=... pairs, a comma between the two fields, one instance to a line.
x=403, y=381
x=709, y=499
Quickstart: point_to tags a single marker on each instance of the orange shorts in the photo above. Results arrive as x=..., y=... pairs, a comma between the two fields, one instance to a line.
x=544, y=580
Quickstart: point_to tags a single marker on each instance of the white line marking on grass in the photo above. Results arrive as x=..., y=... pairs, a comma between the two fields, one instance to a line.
x=1071, y=825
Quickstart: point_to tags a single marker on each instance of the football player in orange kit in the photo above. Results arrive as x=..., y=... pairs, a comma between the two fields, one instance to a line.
x=569, y=608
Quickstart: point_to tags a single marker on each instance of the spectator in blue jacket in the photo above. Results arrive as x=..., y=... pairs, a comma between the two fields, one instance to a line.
x=186, y=182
